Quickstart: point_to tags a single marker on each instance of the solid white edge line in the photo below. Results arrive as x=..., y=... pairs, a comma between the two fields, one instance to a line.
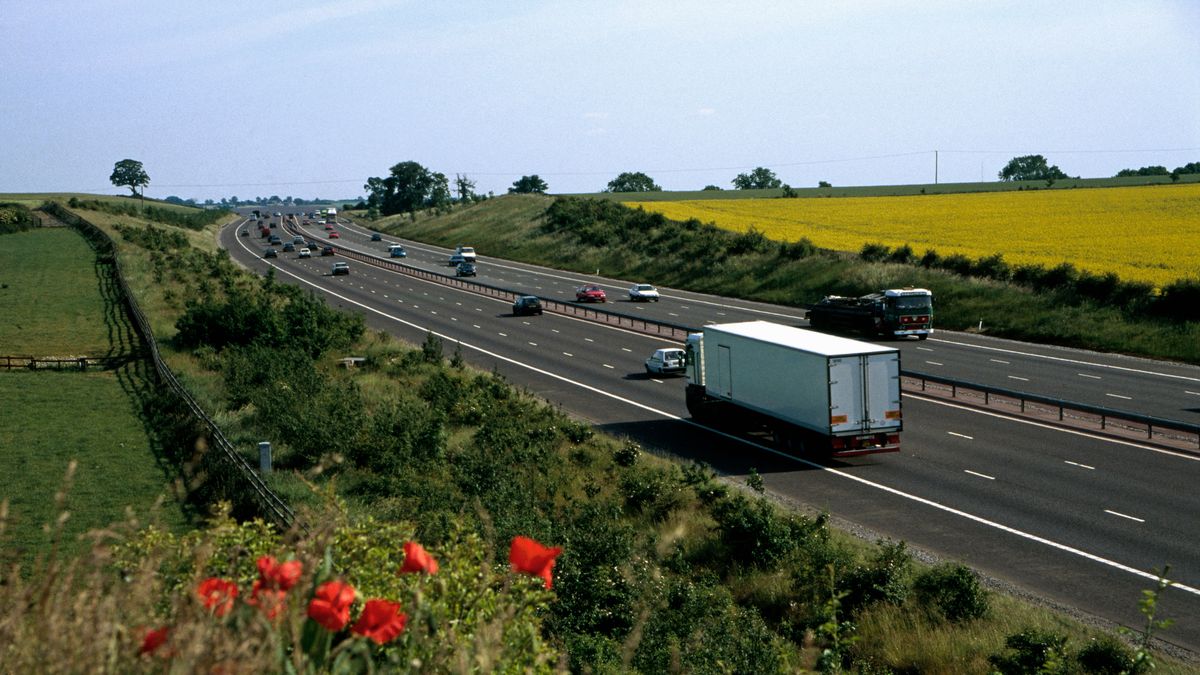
x=1066, y=360
x=836, y=472
x=955, y=433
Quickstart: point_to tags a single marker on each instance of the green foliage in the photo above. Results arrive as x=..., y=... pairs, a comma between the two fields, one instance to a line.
x=754, y=533
x=632, y=181
x=1144, y=171
x=16, y=218
x=1030, y=167
x=131, y=174
x=431, y=349
x=873, y=252
x=192, y=219
x=761, y=178
x=407, y=187
x=885, y=578
x=952, y=591
x=529, y=185
x=1108, y=656
x=152, y=238
x=1033, y=651
x=1143, y=659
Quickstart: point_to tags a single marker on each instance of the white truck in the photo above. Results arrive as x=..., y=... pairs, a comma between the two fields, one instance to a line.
x=816, y=394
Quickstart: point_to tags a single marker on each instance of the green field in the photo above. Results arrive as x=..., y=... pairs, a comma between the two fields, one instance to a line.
x=50, y=296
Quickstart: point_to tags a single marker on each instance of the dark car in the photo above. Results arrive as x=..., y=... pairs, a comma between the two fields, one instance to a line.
x=527, y=304
x=327, y=250
x=465, y=269
x=289, y=247
x=298, y=240
x=376, y=237
x=274, y=239
x=270, y=253
x=245, y=233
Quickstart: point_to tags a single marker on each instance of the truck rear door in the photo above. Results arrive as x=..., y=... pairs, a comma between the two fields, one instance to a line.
x=864, y=393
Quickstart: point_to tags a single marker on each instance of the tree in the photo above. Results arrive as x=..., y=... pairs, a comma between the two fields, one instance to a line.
x=129, y=173
x=1190, y=167
x=760, y=178
x=1144, y=171
x=439, y=190
x=1030, y=167
x=711, y=188
x=632, y=182
x=465, y=187
x=405, y=189
x=823, y=184
x=529, y=185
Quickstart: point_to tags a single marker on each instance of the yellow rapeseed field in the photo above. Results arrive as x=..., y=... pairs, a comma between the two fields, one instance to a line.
x=1149, y=233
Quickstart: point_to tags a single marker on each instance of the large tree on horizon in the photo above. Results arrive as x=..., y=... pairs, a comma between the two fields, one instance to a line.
x=1030, y=167
x=130, y=173
x=632, y=181
x=761, y=178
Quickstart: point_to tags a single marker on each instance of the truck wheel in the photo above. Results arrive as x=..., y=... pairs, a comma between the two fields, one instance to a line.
x=922, y=336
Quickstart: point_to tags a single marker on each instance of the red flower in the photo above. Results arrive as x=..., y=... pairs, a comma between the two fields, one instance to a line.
x=217, y=595
x=153, y=639
x=277, y=575
x=270, y=600
x=417, y=559
x=381, y=621
x=330, y=605
x=530, y=557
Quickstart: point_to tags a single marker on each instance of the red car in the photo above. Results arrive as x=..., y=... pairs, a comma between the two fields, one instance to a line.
x=590, y=293
x=334, y=235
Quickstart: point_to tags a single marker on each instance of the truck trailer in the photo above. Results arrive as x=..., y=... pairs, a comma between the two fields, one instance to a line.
x=815, y=394
x=895, y=312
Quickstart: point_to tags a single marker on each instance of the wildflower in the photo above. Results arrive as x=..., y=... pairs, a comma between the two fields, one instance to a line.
x=276, y=575
x=153, y=639
x=417, y=559
x=380, y=621
x=217, y=594
x=330, y=605
x=530, y=557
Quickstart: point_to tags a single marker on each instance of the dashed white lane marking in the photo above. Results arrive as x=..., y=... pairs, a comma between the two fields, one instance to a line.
x=924, y=349
x=589, y=339
x=607, y=366
x=981, y=475
x=1193, y=393
x=503, y=334
x=955, y=433
x=1122, y=515
x=553, y=330
x=672, y=314
x=1017, y=377
x=1090, y=377
x=1127, y=398
x=1066, y=360
x=626, y=349
x=534, y=344
x=998, y=361
x=934, y=363
x=654, y=380
x=1082, y=466
x=475, y=325
x=454, y=318
x=568, y=354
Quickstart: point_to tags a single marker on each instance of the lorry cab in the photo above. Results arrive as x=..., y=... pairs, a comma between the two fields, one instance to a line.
x=909, y=311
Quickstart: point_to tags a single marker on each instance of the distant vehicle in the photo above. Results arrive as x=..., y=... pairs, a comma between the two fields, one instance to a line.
x=298, y=240
x=245, y=233
x=590, y=293
x=274, y=239
x=465, y=269
x=527, y=304
x=331, y=215
x=397, y=251
x=894, y=312
x=264, y=232
x=327, y=250
x=334, y=235
x=289, y=247
x=456, y=258
x=270, y=253
x=305, y=253
x=375, y=236
x=340, y=268
x=666, y=360
x=327, y=225
x=643, y=293
x=278, y=214
x=467, y=253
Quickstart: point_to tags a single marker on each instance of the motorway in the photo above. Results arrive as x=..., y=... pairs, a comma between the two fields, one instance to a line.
x=1069, y=517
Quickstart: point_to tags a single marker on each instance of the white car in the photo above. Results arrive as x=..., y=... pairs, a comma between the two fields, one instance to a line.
x=666, y=360
x=643, y=293
x=305, y=253
x=467, y=253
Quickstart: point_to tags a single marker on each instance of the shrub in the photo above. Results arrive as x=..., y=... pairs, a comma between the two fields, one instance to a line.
x=953, y=591
x=903, y=254
x=873, y=252
x=796, y=250
x=886, y=578
x=931, y=258
x=16, y=218
x=754, y=532
x=992, y=267
x=1179, y=300
x=1032, y=651
x=1107, y=656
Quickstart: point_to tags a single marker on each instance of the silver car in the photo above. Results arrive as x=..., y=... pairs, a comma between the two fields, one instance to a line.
x=643, y=293
x=666, y=360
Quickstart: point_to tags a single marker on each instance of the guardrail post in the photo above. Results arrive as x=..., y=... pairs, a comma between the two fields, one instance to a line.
x=264, y=457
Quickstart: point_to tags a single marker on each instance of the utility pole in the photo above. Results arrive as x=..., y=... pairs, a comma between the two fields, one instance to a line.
x=935, y=167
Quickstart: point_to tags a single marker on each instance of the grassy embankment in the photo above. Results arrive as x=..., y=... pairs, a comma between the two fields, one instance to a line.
x=647, y=247
x=50, y=296
x=661, y=564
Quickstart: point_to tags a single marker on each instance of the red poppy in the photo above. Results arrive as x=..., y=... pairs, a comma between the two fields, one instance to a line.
x=217, y=594
x=276, y=575
x=330, y=605
x=417, y=559
x=530, y=557
x=380, y=621
x=153, y=639
x=270, y=600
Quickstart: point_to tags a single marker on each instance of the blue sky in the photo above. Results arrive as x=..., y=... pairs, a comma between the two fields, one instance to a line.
x=308, y=99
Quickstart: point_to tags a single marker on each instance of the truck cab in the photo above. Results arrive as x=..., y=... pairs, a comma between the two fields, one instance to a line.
x=895, y=312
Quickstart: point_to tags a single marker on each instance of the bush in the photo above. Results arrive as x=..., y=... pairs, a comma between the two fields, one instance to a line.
x=873, y=252
x=1032, y=651
x=904, y=255
x=884, y=579
x=754, y=532
x=1179, y=300
x=953, y=591
x=1107, y=656
x=16, y=218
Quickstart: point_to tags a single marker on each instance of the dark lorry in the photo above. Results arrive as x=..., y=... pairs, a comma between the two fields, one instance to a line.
x=895, y=312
